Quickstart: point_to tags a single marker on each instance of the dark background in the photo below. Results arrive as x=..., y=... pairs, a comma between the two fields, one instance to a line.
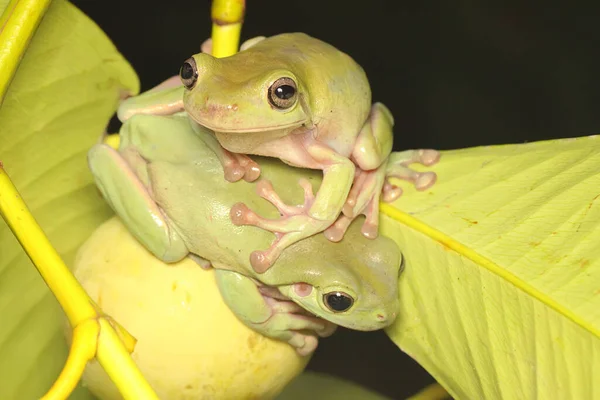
x=454, y=74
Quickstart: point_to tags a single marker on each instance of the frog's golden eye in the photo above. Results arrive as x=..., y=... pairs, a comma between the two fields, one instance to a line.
x=283, y=93
x=338, y=301
x=189, y=73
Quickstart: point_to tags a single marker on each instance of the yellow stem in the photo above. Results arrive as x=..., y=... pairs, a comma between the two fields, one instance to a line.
x=18, y=23
x=119, y=365
x=83, y=349
x=112, y=140
x=79, y=308
x=71, y=296
x=227, y=18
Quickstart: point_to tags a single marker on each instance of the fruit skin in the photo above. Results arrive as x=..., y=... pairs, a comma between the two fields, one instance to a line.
x=190, y=345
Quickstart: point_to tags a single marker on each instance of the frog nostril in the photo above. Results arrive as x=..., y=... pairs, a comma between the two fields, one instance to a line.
x=302, y=289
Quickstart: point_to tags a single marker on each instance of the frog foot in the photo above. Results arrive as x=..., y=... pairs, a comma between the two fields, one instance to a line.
x=363, y=199
x=238, y=166
x=397, y=167
x=294, y=225
x=291, y=323
x=206, y=46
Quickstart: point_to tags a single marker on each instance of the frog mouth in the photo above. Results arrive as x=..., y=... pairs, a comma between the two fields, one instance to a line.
x=224, y=129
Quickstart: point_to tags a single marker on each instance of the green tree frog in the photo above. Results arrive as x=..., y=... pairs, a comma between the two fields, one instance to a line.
x=165, y=183
x=301, y=100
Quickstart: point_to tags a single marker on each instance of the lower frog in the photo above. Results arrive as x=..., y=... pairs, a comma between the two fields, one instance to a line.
x=167, y=188
x=301, y=100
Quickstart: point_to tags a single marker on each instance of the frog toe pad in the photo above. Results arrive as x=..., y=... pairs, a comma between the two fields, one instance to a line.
x=304, y=344
x=238, y=166
x=398, y=168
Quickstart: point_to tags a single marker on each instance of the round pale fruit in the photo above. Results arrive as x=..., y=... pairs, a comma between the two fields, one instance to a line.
x=190, y=345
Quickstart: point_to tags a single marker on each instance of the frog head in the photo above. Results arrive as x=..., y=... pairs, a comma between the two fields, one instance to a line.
x=352, y=284
x=275, y=86
x=243, y=94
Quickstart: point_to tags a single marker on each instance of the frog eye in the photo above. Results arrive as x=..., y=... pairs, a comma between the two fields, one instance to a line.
x=338, y=301
x=188, y=73
x=283, y=93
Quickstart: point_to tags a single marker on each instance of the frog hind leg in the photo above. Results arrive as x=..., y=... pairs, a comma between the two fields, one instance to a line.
x=128, y=197
x=375, y=140
x=363, y=199
x=164, y=99
x=370, y=186
x=377, y=164
x=372, y=148
x=276, y=318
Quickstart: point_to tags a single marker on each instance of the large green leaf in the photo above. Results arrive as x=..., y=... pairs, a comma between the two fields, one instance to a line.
x=501, y=292
x=65, y=90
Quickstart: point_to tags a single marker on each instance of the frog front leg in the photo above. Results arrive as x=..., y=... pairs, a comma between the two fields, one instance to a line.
x=299, y=222
x=123, y=189
x=274, y=317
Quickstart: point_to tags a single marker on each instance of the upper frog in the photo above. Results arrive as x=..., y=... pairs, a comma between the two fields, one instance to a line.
x=299, y=99
x=285, y=84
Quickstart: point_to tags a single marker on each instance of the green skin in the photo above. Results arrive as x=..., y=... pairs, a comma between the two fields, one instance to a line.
x=165, y=183
x=329, y=124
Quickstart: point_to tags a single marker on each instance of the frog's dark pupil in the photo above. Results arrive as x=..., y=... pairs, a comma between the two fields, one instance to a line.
x=285, y=92
x=338, y=301
x=187, y=71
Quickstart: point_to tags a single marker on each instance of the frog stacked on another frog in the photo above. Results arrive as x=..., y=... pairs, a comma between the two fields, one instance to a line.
x=166, y=186
x=301, y=100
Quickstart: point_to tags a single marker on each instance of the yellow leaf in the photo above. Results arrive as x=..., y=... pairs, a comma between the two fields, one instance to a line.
x=501, y=292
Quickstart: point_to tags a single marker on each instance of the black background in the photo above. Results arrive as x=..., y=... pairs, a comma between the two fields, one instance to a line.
x=454, y=74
